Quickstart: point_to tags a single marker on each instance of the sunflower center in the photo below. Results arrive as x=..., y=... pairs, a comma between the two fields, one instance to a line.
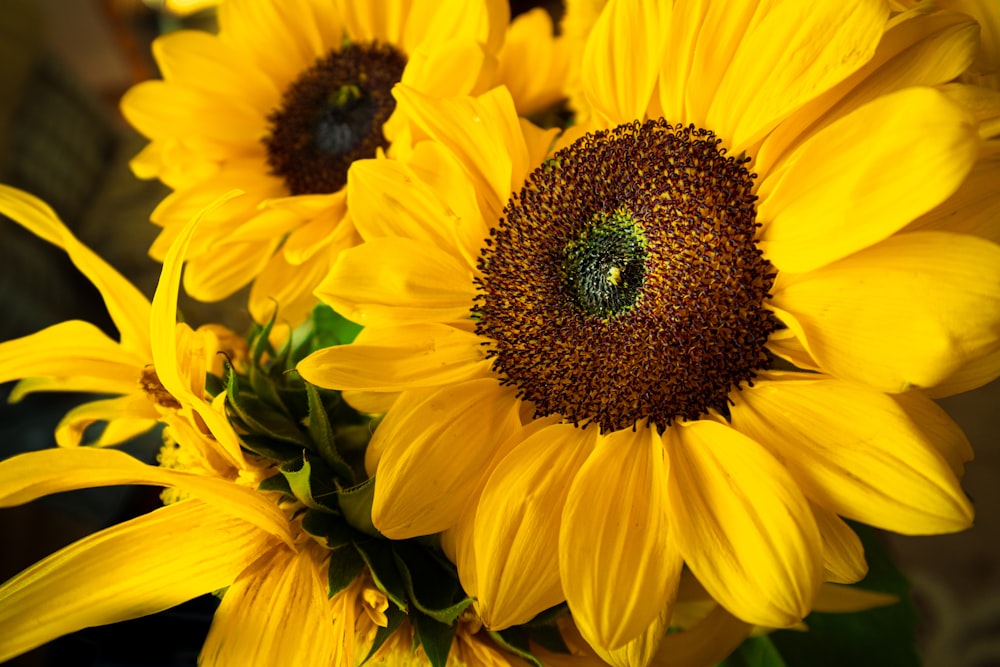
x=624, y=285
x=332, y=115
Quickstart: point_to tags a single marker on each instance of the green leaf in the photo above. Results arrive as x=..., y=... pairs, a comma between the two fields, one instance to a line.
x=755, y=652
x=307, y=485
x=873, y=638
x=434, y=636
x=431, y=588
x=345, y=566
x=395, y=618
x=329, y=527
x=330, y=328
x=323, y=438
x=515, y=640
x=356, y=504
x=378, y=557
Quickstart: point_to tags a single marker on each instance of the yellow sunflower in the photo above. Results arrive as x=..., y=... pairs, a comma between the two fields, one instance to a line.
x=699, y=333
x=282, y=100
x=250, y=485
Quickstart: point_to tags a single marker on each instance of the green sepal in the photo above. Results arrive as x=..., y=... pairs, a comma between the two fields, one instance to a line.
x=754, y=652
x=515, y=640
x=276, y=483
x=394, y=618
x=434, y=636
x=321, y=432
x=345, y=566
x=260, y=341
x=258, y=417
x=379, y=558
x=269, y=448
x=431, y=588
x=327, y=526
x=309, y=484
x=356, y=505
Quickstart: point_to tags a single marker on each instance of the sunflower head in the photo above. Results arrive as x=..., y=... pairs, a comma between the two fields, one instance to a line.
x=332, y=115
x=624, y=284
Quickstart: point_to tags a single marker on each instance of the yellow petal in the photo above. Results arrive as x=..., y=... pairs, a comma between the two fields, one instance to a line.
x=438, y=445
x=864, y=178
x=366, y=21
x=74, y=350
x=939, y=428
x=518, y=523
x=287, y=287
x=139, y=567
x=172, y=370
x=621, y=59
x=640, y=651
x=391, y=359
x=708, y=642
x=394, y=280
x=856, y=452
x=908, y=312
x=533, y=64
x=128, y=308
x=389, y=198
x=247, y=631
x=28, y=476
x=483, y=132
x=618, y=569
x=227, y=270
x=791, y=53
x=743, y=526
x=452, y=68
x=975, y=207
x=834, y=599
x=126, y=416
x=922, y=47
x=843, y=553
x=200, y=60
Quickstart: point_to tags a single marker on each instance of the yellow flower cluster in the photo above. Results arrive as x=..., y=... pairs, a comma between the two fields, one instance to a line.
x=648, y=310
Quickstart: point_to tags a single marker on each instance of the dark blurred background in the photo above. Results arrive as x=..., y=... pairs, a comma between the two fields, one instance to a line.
x=63, y=66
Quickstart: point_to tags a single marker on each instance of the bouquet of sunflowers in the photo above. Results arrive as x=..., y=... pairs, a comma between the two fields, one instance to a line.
x=572, y=343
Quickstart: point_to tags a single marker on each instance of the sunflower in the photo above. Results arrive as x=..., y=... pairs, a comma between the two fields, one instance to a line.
x=282, y=100
x=696, y=335
x=261, y=504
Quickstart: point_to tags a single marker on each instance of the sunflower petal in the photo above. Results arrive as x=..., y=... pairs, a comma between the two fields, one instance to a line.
x=621, y=59
x=706, y=643
x=618, y=569
x=865, y=177
x=743, y=526
x=173, y=371
x=159, y=560
x=834, y=599
x=73, y=350
x=518, y=523
x=910, y=311
x=390, y=359
x=368, y=284
x=438, y=445
x=128, y=308
x=127, y=417
x=640, y=651
x=247, y=631
x=856, y=452
x=843, y=553
x=28, y=476
x=791, y=53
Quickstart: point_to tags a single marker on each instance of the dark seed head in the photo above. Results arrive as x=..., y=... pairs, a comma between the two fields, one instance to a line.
x=624, y=283
x=332, y=115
